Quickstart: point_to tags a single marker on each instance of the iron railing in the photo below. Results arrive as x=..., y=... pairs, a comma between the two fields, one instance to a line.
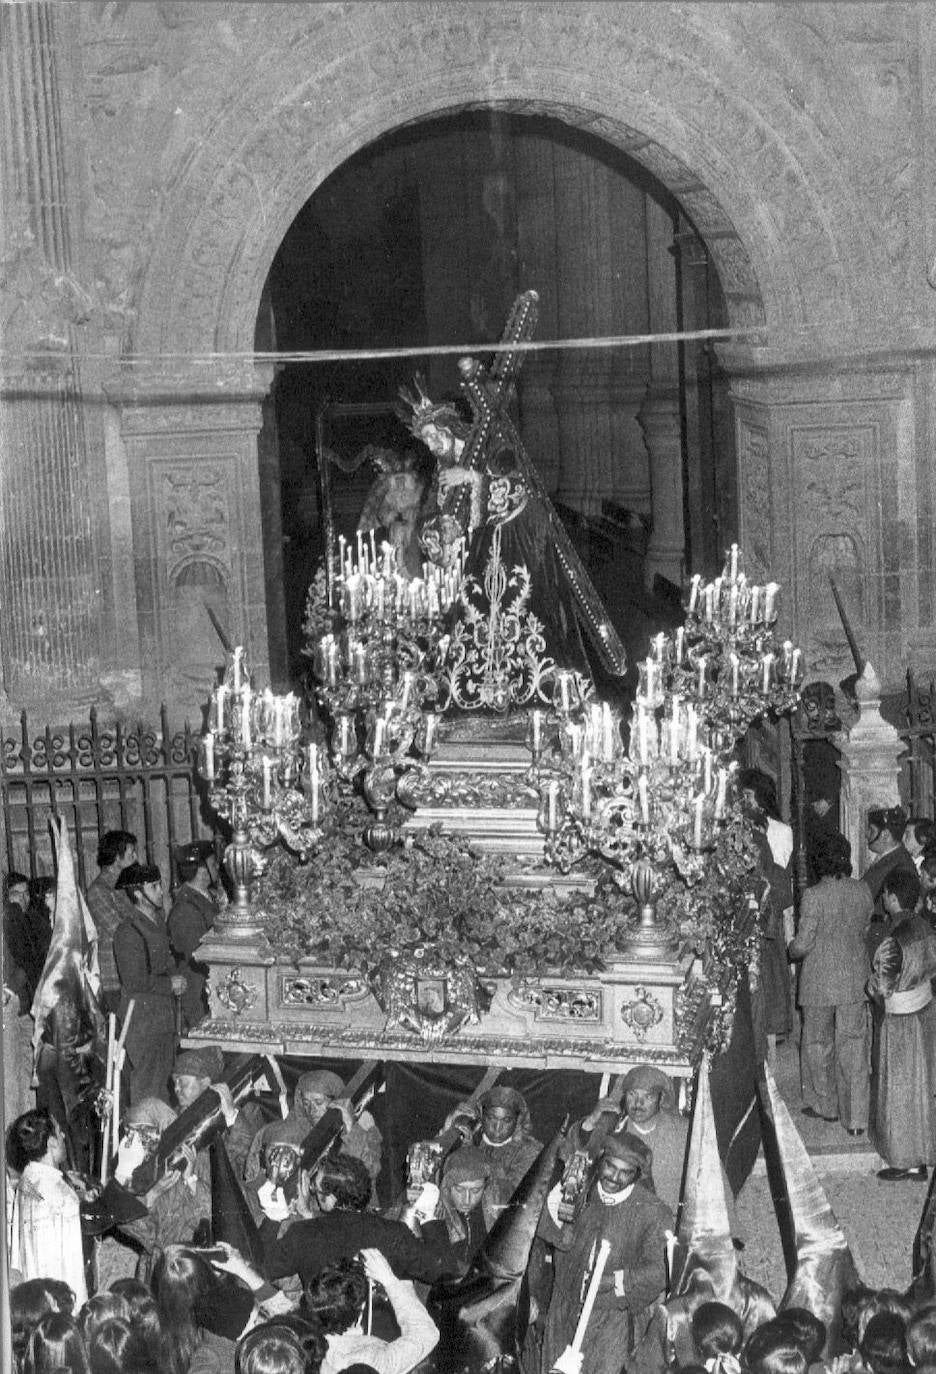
x=99, y=777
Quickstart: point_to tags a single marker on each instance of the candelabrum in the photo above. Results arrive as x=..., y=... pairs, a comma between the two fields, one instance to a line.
x=263, y=779
x=378, y=669
x=660, y=804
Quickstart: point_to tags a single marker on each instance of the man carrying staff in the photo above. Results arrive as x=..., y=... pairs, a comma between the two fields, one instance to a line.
x=635, y=1222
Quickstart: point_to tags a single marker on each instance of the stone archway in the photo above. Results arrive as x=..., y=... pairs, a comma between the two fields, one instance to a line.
x=765, y=195
x=685, y=100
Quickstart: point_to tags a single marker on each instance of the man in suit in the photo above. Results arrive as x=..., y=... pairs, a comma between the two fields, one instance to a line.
x=885, y=826
x=834, y=917
x=148, y=978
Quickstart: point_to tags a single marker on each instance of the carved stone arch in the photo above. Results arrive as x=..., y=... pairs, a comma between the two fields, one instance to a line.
x=791, y=246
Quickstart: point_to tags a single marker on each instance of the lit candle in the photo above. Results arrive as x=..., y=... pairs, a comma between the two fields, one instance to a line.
x=643, y=793
x=755, y=599
x=697, y=822
x=266, y=783
x=209, y=746
x=710, y=603
x=565, y=694
x=642, y=747
x=537, y=724
x=380, y=726
x=720, y=793
x=701, y=665
x=735, y=668
x=429, y=733
x=768, y=671
x=733, y=605
x=373, y=549
x=658, y=644
x=680, y=644
x=770, y=601
x=245, y=718
x=734, y=562
x=694, y=592
x=692, y=732
x=220, y=694
x=794, y=666
x=238, y=655
x=586, y=791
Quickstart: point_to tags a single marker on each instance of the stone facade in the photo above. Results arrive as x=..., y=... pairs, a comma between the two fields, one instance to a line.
x=797, y=138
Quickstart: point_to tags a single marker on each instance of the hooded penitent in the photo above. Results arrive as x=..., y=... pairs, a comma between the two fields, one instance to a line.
x=923, y=1284
x=482, y=1318
x=825, y=1267
x=705, y=1263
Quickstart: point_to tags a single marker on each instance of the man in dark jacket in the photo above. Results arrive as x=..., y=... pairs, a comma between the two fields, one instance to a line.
x=192, y=916
x=147, y=978
x=885, y=826
x=342, y=1188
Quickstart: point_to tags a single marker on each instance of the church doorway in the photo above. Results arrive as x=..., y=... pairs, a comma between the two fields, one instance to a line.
x=424, y=238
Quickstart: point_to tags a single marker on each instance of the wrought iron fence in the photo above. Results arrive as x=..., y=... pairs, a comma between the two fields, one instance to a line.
x=918, y=785
x=98, y=777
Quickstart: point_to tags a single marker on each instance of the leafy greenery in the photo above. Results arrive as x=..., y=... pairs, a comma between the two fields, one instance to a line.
x=350, y=908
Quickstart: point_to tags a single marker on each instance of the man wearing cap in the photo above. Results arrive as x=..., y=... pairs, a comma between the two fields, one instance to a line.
x=109, y=907
x=647, y=1110
x=635, y=1223
x=155, y=1212
x=316, y=1091
x=194, y=1072
x=502, y=1137
x=883, y=835
x=148, y=977
x=191, y=918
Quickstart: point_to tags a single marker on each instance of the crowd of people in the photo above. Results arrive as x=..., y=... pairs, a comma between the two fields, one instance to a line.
x=333, y=1280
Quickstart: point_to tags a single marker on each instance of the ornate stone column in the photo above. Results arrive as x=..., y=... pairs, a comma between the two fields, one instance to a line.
x=51, y=598
x=870, y=765
x=660, y=421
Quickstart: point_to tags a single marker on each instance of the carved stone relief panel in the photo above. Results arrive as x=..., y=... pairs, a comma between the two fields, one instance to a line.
x=191, y=523
x=837, y=535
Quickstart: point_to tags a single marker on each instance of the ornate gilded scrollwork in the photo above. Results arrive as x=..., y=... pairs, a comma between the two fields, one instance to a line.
x=557, y=1003
x=300, y=991
x=643, y=1012
x=235, y=994
x=427, y=994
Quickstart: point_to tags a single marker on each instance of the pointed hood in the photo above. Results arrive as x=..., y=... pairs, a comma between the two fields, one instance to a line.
x=483, y=1316
x=923, y=1284
x=231, y=1219
x=71, y=968
x=824, y=1266
x=705, y=1264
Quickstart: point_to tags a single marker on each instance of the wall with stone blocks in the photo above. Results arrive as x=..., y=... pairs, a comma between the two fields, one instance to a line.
x=798, y=138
